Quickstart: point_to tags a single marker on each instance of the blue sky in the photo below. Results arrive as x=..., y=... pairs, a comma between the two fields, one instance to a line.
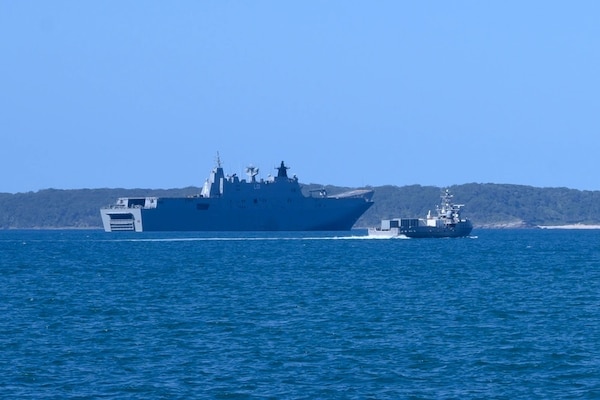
x=143, y=94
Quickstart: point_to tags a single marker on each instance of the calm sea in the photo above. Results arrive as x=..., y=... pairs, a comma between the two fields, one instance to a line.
x=504, y=314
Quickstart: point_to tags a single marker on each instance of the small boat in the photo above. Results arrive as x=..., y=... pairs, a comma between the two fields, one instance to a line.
x=447, y=223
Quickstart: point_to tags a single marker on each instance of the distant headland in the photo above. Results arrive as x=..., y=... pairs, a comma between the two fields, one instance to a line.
x=487, y=205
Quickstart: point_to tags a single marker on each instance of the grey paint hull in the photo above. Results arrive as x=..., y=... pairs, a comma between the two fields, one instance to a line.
x=461, y=229
x=198, y=214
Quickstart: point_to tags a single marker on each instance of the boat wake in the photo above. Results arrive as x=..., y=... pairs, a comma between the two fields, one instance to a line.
x=264, y=238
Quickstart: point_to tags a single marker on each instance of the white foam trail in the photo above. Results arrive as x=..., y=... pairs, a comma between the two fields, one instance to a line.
x=266, y=238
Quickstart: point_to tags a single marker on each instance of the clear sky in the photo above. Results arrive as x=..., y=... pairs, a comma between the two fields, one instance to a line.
x=143, y=94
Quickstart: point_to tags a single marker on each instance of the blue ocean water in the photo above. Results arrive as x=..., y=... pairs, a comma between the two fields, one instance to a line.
x=504, y=314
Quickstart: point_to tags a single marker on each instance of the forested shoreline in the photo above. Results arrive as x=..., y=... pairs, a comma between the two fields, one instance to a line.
x=487, y=205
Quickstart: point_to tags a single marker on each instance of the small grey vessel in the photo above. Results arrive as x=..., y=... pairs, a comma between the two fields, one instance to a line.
x=227, y=203
x=447, y=223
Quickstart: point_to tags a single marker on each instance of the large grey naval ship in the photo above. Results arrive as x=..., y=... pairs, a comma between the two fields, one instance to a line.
x=227, y=203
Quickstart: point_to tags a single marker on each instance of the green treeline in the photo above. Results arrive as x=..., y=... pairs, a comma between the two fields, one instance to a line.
x=487, y=205
x=490, y=205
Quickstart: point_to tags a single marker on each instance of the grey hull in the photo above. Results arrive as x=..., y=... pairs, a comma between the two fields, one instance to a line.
x=460, y=230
